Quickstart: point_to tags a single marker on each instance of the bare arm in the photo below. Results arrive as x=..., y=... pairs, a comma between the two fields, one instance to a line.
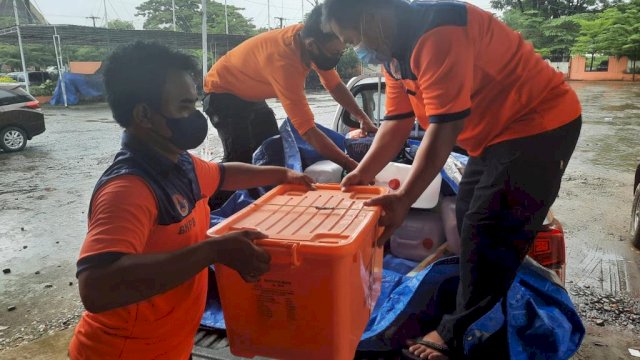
x=328, y=149
x=245, y=176
x=344, y=97
x=137, y=277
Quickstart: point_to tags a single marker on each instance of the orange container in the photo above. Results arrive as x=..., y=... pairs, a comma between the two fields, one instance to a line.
x=324, y=280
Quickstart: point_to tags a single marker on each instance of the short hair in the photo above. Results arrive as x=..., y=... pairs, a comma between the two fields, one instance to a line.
x=348, y=13
x=136, y=73
x=313, y=27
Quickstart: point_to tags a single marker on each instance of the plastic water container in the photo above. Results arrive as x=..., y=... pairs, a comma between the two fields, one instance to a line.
x=325, y=172
x=419, y=236
x=449, y=220
x=324, y=281
x=394, y=175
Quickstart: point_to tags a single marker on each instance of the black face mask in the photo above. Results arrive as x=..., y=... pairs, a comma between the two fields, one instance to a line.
x=188, y=132
x=323, y=60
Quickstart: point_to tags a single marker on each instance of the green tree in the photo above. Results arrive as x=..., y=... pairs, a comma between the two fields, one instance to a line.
x=615, y=31
x=552, y=38
x=551, y=9
x=349, y=65
x=158, y=15
x=120, y=25
x=36, y=56
x=85, y=53
x=591, y=39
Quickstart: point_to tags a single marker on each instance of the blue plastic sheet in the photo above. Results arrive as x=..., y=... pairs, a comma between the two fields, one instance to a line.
x=78, y=87
x=541, y=320
x=308, y=154
x=238, y=201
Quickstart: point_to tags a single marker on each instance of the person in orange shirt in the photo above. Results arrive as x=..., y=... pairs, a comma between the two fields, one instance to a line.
x=143, y=265
x=274, y=65
x=468, y=80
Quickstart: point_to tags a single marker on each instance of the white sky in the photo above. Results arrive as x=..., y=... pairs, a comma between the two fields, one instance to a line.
x=76, y=11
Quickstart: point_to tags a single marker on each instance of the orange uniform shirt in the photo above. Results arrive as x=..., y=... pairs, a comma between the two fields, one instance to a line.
x=460, y=62
x=128, y=217
x=270, y=66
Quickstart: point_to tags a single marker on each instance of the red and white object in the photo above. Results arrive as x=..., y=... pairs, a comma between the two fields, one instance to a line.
x=419, y=236
x=394, y=175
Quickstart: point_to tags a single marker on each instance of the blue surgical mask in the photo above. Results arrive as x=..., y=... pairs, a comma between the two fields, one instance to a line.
x=188, y=132
x=366, y=55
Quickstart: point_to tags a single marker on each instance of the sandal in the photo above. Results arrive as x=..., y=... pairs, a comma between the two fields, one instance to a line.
x=444, y=350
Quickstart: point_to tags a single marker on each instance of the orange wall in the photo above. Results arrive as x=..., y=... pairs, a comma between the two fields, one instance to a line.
x=84, y=67
x=616, y=70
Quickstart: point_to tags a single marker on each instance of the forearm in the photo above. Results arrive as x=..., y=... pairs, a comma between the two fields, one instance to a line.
x=344, y=97
x=386, y=145
x=328, y=149
x=137, y=277
x=433, y=152
x=239, y=176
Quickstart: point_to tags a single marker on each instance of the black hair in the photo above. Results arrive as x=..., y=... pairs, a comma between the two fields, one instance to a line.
x=313, y=27
x=136, y=73
x=348, y=13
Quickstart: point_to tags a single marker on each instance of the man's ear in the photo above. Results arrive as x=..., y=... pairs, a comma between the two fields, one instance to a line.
x=142, y=116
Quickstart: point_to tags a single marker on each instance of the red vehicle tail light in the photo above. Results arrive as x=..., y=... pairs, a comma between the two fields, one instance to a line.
x=548, y=248
x=35, y=104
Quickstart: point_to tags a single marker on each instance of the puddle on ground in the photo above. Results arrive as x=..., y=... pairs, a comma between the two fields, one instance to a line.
x=615, y=108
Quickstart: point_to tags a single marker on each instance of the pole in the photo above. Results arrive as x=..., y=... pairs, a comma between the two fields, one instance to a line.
x=226, y=19
x=58, y=48
x=204, y=40
x=173, y=8
x=106, y=19
x=302, y=11
x=269, y=14
x=94, y=18
x=281, y=19
x=24, y=65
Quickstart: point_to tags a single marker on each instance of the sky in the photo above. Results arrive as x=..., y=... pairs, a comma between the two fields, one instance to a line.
x=75, y=12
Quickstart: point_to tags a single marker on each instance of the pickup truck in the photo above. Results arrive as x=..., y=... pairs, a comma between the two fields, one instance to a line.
x=548, y=249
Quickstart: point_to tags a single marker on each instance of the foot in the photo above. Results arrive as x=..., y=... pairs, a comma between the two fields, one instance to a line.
x=425, y=352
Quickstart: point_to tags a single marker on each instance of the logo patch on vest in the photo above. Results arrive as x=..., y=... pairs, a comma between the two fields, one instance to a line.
x=181, y=204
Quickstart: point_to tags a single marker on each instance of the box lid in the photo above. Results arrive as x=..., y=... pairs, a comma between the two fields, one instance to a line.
x=325, y=217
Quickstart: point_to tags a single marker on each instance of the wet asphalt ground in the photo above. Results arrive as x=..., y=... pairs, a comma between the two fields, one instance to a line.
x=45, y=191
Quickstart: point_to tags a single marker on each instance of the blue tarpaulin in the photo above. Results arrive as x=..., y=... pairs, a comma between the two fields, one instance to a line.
x=78, y=87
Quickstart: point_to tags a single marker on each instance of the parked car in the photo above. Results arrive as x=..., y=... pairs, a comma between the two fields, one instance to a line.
x=548, y=249
x=35, y=77
x=20, y=117
x=635, y=210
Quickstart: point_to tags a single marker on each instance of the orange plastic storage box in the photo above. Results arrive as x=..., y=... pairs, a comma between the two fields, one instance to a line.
x=324, y=280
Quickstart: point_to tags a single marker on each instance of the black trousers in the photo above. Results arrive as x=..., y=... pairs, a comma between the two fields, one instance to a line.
x=242, y=127
x=505, y=195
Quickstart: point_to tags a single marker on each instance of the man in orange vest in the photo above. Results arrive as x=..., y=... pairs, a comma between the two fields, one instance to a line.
x=142, y=269
x=469, y=80
x=274, y=65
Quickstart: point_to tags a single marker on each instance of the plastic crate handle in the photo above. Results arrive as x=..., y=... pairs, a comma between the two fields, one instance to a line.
x=283, y=256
